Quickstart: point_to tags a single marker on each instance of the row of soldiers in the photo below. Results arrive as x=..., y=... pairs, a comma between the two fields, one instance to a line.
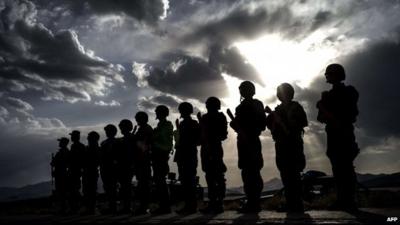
x=143, y=152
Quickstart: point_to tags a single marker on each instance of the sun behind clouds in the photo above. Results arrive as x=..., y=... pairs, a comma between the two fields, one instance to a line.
x=278, y=60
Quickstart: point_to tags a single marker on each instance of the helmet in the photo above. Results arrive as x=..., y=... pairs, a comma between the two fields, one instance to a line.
x=162, y=111
x=335, y=71
x=125, y=124
x=141, y=117
x=63, y=141
x=185, y=108
x=75, y=133
x=93, y=136
x=285, y=90
x=213, y=103
x=247, y=88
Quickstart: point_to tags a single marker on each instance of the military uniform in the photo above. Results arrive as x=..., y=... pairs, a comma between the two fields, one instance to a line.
x=338, y=110
x=125, y=168
x=250, y=120
x=143, y=138
x=290, y=159
x=162, y=147
x=76, y=166
x=186, y=158
x=90, y=176
x=60, y=164
x=108, y=170
x=213, y=132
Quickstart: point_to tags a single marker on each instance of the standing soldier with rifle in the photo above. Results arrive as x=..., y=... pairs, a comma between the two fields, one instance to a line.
x=162, y=148
x=249, y=122
x=186, y=156
x=143, y=138
x=338, y=110
x=76, y=157
x=108, y=167
x=91, y=172
x=214, y=130
x=125, y=163
x=60, y=166
x=287, y=124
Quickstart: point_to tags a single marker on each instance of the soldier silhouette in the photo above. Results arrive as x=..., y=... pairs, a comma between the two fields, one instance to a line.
x=186, y=156
x=162, y=148
x=60, y=165
x=91, y=172
x=108, y=167
x=143, y=138
x=214, y=130
x=249, y=122
x=125, y=164
x=76, y=157
x=338, y=110
x=287, y=124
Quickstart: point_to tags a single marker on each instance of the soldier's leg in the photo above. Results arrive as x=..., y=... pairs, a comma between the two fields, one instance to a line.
x=61, y=193
x=110, y=188
x=211, y=185
x=126, y=190
x=292, y=183
x=143, y=177
x=189, y=184
x=160, y=172
x=93, y=193
x=75, y=193
x=345, y=178
x=252, y=184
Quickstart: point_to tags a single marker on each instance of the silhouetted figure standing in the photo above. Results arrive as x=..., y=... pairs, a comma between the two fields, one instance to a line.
x=108, y=167
x=125, y=163
x=143, y=137
x=91, y=172
x=76, y=157
x=186, y=156
x=287, y=124
x=60, y=164
x=249, y=122
x=214, y=129
x=338, y=110
x=162, y=148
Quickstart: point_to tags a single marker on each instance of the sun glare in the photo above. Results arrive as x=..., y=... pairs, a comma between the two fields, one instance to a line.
x=278, y=60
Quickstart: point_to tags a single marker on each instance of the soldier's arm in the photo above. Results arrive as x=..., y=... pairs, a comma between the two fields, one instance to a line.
x=324, y=115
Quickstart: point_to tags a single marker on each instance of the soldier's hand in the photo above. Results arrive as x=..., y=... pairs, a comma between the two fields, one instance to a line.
x=177, y=123
x=234, y=125
x=199, y=116
x=267, y=109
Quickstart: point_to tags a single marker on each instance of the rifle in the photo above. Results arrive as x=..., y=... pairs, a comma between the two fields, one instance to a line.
x=198, y=116
x=277, y=120
x=52, y=171
x=234, y=124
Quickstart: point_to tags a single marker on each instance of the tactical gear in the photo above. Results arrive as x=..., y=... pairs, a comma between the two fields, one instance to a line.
x=338, y=110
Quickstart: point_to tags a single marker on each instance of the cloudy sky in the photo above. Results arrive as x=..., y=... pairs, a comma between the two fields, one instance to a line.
x=68, y=65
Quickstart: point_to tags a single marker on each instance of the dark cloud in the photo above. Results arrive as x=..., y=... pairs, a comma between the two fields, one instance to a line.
x=375, y=71
x=186, y=76
x=55, y=64
x=150, y=103
x=146, y=12
x=142, y=10
x=230, y=61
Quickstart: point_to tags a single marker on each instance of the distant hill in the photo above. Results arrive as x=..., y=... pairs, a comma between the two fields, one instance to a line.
x=381, y=180
x=271, y=185
x=38, y=190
